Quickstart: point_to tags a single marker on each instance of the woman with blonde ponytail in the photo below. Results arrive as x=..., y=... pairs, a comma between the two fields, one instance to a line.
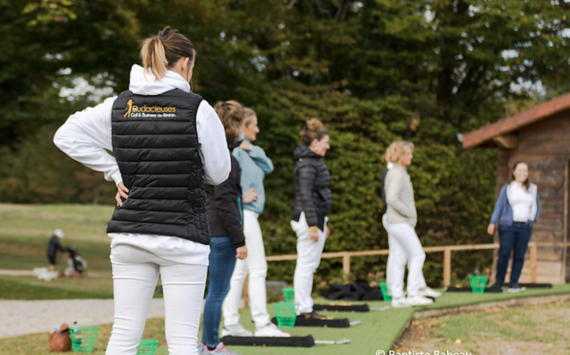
x=167, y=143
x=313, y=201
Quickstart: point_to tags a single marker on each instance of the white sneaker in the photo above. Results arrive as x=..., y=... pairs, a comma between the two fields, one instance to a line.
x=401, y=302
x=516, y=289
x=428, y=292
x=270, y=330
x=419, y=301
x=236, y=330
x=219, y=350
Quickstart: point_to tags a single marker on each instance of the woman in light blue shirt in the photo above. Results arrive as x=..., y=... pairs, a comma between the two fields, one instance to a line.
x=254, y=166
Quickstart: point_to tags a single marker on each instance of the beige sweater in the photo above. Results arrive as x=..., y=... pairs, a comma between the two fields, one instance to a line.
x=400, y=197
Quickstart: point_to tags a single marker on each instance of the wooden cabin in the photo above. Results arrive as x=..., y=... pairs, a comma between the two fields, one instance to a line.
x=540, y=137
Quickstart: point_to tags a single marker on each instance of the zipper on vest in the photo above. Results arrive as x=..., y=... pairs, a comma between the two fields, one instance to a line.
x=240, y=210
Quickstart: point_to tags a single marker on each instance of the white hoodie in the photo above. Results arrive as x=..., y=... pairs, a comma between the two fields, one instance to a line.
x=87, y=134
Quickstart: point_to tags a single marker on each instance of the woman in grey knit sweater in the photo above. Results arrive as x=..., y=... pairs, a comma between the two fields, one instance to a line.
x=400, y=220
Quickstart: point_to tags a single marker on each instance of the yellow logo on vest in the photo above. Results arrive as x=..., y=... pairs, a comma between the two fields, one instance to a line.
x=148, y=111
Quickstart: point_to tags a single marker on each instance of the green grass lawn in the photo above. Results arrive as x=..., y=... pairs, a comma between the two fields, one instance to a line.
x=30, y=288
x=26, y=230
x=540, y=329
x=54, y=290
x=24, y=234
x=379, y=329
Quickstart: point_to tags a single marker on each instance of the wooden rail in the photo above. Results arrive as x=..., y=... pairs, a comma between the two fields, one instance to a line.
x=346, y=255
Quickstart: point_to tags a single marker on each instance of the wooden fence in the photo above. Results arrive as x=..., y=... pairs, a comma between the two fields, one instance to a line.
x=347, y=255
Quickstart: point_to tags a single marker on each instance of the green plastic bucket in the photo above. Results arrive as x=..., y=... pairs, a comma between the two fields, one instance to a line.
x=286, y=313
x=83, y=338
x=147, y=347
x=386, y=294
x=289, y=293
x=478, y=283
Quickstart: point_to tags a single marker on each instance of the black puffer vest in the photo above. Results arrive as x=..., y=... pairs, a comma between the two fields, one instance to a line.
x=312, y=193
x=156, y=146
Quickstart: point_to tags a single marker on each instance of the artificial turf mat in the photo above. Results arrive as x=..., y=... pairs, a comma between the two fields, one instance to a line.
x=379, y=329
x=490, y=289
x=468, y=290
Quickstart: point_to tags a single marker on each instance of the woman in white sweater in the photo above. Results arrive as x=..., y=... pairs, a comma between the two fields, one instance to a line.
x=166, y=143
x=400, y=220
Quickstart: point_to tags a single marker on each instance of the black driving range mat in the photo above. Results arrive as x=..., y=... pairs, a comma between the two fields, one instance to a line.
x=536, y=285
x=303, y=342
x=319, y=322
x=341, y=307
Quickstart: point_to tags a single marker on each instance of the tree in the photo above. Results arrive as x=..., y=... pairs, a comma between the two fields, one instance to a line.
x=372, y=70
x=39, y=38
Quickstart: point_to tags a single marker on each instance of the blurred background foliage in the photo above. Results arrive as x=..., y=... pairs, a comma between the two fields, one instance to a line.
x=372, y=70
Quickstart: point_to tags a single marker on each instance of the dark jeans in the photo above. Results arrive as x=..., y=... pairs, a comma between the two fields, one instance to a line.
x=513, y=239
x=222, y=264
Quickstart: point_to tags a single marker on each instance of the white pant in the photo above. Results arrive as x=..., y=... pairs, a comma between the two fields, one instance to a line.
x=135, y=275
x=308, y=259
x=405, y=247
x=256, y=266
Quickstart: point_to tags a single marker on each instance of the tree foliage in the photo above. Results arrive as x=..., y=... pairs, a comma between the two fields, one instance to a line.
x=372, y=70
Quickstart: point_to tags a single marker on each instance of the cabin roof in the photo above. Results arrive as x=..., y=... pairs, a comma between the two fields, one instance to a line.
x=485, y=135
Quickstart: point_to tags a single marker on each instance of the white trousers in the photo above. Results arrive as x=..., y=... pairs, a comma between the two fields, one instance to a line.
x=405, y=247
x=135, y=275
x=254, y=265
x=308, y=259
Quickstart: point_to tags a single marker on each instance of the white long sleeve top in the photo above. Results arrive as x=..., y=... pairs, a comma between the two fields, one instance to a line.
x=521, y=202
x=86, y=136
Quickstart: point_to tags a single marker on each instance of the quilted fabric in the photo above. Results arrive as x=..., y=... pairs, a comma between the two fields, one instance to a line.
x=156, y=146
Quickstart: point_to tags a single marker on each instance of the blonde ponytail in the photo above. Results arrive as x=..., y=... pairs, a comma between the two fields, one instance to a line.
x=161, y=52
x=154, y=57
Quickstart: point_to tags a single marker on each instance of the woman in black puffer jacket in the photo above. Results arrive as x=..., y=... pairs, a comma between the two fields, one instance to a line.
x=312, y=205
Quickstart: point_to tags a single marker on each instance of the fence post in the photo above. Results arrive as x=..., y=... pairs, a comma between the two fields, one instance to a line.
x=346, y=265
x=446, y=267
x=533, y=250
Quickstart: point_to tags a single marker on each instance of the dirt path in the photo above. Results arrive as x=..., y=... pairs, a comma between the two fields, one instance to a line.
x=16, y=272
x=27, y=317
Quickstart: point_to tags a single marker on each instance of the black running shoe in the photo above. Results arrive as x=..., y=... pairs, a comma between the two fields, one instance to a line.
x=496, y=288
